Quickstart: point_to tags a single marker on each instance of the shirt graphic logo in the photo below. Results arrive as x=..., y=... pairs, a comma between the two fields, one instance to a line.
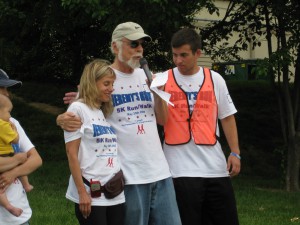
x=110, y=162
x=141, y=129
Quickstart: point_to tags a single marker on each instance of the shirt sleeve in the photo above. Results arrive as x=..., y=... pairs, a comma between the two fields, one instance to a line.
x=226, y=106
x=24, y=142
x=71, y=136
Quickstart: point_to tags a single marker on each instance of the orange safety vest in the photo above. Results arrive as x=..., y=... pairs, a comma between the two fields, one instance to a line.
x=201, y=122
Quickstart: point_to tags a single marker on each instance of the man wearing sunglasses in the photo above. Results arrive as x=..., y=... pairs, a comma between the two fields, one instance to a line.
x=149, y=191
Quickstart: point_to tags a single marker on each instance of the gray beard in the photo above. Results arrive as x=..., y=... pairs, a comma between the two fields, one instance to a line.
x=131, y=62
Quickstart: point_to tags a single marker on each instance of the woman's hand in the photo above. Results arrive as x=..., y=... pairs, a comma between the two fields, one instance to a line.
x=85, y=204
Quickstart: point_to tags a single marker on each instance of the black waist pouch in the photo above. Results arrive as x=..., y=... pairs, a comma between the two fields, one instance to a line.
x=114, y=186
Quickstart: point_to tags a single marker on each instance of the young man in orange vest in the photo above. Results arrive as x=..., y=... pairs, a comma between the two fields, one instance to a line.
x=201, y=174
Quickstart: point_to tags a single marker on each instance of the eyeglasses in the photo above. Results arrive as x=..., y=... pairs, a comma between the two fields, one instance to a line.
x=135, y=44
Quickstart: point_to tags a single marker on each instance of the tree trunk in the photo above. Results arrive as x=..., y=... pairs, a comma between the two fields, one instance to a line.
x=292, y=175
x=271, y=73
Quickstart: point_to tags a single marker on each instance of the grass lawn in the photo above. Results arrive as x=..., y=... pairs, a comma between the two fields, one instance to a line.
x=260, y=201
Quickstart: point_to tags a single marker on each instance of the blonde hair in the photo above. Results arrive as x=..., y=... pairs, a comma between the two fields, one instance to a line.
x=88, y=92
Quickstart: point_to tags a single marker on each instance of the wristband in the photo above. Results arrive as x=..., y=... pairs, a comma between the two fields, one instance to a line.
x=236, y=155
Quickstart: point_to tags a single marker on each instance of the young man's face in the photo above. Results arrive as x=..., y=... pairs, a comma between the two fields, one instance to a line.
x=4, y=91
x=186, y=60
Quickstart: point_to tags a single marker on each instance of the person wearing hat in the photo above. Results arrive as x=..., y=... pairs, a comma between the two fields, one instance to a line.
x=149, y=191
x=8, y=137
x=5, y=82
x=20, y=164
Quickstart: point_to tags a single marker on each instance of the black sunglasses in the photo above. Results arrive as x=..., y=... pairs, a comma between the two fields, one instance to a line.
x=135, y=44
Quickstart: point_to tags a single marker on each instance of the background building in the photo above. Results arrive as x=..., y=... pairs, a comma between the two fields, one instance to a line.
x=235, y=69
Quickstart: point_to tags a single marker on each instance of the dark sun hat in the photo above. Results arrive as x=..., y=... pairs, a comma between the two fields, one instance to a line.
x=6, y=82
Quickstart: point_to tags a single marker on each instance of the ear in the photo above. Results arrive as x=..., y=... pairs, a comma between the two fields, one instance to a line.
x=198, y=53
x=114, y=48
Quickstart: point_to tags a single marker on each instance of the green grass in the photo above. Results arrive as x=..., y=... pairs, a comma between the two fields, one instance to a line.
x=259, y=194
x=259, y=201
x=47, y=200
x=262, y=202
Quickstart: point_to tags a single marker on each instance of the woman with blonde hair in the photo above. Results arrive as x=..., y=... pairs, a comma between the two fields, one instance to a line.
x=96, y=183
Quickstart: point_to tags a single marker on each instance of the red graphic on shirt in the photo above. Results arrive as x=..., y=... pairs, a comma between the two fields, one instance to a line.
x=141, y=129
x=110, y=162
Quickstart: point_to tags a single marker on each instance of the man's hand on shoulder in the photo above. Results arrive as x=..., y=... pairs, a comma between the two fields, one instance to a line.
x=69, y=97
x=68, y=121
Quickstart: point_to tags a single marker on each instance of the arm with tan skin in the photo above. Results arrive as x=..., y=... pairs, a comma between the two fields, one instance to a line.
x=69, y=97
x=68, y=121
x=161, y=110
x=32, y=163
x=8, y=163
x=231, y=134
x=72, y=149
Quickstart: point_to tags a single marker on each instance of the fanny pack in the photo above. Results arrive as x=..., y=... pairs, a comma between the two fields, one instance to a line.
x=111, y=189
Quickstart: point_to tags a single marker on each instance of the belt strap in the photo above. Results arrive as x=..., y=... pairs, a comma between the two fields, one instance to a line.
x=89, y=184
x=86, y=181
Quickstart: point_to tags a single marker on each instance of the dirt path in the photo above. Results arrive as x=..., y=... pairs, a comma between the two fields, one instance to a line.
x=42, y=106
x=47, y=108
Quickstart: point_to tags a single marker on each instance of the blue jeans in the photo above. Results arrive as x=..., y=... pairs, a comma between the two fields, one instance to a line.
x=151, y=204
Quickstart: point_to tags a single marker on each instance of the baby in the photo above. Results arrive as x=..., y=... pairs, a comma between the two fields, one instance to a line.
x=9, y=136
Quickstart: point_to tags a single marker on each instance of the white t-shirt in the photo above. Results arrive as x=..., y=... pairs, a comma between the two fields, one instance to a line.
x=98, y=152
x=140, y=150
x=15, y=192
x=191, y=160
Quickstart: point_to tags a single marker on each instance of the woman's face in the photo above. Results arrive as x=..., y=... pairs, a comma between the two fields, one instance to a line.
x=105, y=88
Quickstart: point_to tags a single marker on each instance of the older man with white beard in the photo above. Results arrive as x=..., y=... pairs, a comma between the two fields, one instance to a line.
x=149, y=191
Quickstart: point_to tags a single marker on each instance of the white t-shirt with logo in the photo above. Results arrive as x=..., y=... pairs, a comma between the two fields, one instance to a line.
x=140, y=151
x=98, y=152
x=15, y=193
x=191, y=160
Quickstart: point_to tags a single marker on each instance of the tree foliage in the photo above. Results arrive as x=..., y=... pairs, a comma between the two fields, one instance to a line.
x=52, y=40
x=254, y=21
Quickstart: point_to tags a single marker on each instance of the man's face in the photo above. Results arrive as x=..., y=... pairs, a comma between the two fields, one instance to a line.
x=4, y=91
x=185, y=59
x=130, y=52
